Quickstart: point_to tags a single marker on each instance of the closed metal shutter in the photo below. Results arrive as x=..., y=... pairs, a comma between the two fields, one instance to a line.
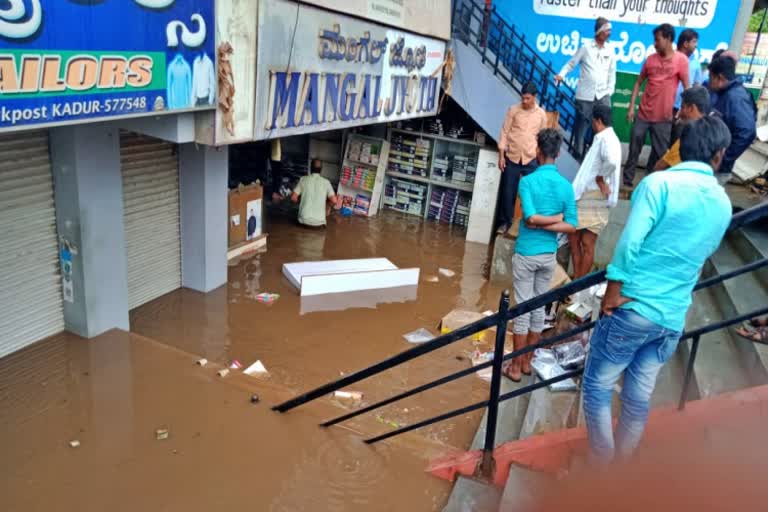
x=30, y=281
x=151, y=205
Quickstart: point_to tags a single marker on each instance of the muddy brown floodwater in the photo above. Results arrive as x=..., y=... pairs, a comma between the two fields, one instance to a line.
x=112, y=393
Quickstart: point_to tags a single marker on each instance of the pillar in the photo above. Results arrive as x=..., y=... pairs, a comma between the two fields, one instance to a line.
x=88, y=188
x=203, y=187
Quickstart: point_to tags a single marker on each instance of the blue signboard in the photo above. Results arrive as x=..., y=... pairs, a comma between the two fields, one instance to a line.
x=557, y=28
x=68, y=60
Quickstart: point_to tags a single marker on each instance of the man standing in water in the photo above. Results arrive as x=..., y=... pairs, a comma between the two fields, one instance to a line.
x=316, y=194
x=597, y=78
x=677, y=221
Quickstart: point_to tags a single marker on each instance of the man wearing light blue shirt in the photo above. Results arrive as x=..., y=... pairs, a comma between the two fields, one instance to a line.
x=549, y=207
x=677, y=221
x=688, y=43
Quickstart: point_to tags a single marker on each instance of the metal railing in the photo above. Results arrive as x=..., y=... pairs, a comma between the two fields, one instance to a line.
x=514, y=61
x=499, y=320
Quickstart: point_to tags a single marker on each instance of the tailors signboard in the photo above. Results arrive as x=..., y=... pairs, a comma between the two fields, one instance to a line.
x=70, y=60
x=557, y=28
x=320, y=70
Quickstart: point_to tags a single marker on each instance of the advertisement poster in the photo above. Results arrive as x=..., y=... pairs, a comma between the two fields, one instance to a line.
x=557, y=28
x=71, y=60
x=753, y=60
x=335, y=71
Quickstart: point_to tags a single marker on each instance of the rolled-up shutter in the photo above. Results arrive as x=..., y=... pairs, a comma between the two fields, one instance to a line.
x=30, y=294
x=151, y=204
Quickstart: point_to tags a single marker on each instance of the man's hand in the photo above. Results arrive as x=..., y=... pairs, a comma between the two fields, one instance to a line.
x=631, y=114
x=604, y=189
x=502, y=161
x=613, y=298
x=558, y=79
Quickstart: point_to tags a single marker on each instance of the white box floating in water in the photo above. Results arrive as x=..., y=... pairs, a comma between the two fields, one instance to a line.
x=337, y=276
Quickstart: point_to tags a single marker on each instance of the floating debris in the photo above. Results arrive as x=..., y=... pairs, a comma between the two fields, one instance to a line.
x=161, y=434
x=202, y=362
x=446, y=272
x=74, y=443
x=223, y=373
x=256, y=368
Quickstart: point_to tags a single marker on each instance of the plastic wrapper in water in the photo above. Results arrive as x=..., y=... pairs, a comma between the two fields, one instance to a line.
x=570, y=355
x=419, y=336
x=546, y=367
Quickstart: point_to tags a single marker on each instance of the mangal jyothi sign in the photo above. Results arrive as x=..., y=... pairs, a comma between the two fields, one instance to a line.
x=319, y=70
x=69, y=60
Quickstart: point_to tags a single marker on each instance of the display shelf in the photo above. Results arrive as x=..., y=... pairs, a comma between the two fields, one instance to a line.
x=362, y=174
x=435, y=136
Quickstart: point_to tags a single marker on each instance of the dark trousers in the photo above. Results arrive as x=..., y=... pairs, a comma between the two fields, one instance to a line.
x=660, y=135
x=510, y=181
x=583, y=135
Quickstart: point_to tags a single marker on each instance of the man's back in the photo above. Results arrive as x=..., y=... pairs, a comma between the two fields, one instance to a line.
x=314, y=191
x=677, y=221
x=544, y=192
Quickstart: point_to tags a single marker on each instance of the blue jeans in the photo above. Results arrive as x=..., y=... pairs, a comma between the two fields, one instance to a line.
x=623, y=342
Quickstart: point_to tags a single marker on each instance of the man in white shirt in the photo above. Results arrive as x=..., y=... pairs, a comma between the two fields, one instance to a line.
x=596, y=189
x=597, y=78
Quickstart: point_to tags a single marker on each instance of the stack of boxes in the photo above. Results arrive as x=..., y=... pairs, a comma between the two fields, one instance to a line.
x=359, y=177
x=364, y=152
x=409, y=155
x=463, y=169
x=440, y=168
x=449, y=206
x=405, y=196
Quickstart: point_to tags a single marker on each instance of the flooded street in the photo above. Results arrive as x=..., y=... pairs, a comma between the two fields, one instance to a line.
x=114, y=392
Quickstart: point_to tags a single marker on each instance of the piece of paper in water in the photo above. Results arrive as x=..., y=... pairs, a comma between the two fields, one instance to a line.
x=420, y=335
x=256, y=368
x=446, y=272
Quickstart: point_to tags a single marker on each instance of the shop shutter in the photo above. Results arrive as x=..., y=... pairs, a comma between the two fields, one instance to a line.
x=30, y=294
x=151, y=205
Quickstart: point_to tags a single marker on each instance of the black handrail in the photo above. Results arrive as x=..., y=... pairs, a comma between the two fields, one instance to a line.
x=573, y=373
x=499, y=320
x=514, y=61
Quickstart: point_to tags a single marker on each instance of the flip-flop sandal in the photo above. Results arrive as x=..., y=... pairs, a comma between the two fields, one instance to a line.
x=759, y=322
x=505, y=372
x=756, y=336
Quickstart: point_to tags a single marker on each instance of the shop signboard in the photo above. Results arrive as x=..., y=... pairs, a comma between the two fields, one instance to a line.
x=320, y=70
x=69, y=61
x=557, y=28
x=426, y=17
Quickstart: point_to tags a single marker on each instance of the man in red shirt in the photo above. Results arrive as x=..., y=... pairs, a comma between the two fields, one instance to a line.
x=664, y=71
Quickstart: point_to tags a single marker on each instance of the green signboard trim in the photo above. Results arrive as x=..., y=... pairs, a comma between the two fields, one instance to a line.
x=158, y=82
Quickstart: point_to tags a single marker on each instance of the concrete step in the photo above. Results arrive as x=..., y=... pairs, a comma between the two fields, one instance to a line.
x=718, y=367
x=469, y=495
x=548, y=411
x=741, y=295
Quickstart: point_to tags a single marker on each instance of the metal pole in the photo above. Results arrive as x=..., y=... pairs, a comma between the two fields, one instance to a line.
x=757, y=41
x=688, y=373
x=493, y=400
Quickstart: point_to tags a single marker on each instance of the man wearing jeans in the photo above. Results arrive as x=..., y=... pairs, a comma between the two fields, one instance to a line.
x=597, y=78
x=517, y=150
x=677, y=221
x=548, y=208
x=664, y=71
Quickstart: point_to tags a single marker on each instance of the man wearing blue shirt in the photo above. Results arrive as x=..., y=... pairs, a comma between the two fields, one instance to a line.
x=677, y=221
x=687, y=44
x=549, y=208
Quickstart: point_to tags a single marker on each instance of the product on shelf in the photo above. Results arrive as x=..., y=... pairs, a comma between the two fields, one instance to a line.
x=441, y=168
x=362, y=205
x=364, y=152
x=448, y=206
x=405, y=196
x=360, y=177
x=409, y=155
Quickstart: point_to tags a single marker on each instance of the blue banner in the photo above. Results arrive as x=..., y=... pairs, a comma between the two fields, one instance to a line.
x=557, y=28
x=68, y=60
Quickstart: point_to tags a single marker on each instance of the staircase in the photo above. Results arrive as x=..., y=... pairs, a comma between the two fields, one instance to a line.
x=725, y=363
x=493, y=62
